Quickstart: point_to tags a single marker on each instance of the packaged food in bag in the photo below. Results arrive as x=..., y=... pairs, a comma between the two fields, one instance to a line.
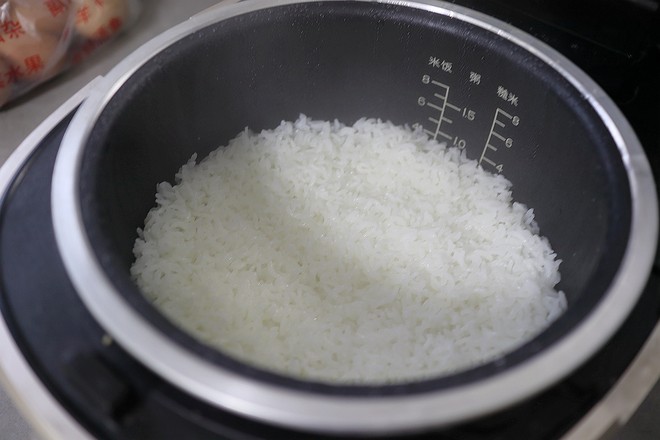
x=41, y=38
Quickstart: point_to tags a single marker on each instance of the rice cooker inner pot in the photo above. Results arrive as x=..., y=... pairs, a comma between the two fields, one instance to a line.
x=347, y=60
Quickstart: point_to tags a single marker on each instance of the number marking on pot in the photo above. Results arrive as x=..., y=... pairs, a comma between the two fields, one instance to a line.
x=495, y=139
x=440, y=103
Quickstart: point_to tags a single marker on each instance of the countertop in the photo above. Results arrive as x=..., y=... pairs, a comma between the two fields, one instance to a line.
x=21, y=117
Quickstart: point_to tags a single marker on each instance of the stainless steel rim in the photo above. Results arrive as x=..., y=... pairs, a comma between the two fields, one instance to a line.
x=283, y=406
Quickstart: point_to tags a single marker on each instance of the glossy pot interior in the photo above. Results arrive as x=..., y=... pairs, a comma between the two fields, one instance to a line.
x=348, y=60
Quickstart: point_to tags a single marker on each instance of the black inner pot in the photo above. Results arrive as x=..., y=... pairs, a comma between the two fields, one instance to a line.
x=348, y=60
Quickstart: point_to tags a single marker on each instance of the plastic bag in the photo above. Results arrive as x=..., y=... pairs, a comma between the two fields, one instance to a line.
x=41, y=38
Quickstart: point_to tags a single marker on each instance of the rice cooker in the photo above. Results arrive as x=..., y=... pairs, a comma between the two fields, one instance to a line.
x=503, y=81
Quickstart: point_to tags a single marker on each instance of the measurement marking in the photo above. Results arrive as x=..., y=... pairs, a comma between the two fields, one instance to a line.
x=429, y=132
x=442, y=109
x=492, y=133
x=499, y=136
x=485, y=159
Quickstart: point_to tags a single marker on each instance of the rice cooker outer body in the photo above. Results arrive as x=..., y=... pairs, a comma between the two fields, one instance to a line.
x=86, y=386
x=568, y=151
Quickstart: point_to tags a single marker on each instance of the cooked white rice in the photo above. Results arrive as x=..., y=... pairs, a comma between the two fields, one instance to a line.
x=363, y=254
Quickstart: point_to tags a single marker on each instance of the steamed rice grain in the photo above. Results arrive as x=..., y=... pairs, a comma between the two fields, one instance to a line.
x=347, y=254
